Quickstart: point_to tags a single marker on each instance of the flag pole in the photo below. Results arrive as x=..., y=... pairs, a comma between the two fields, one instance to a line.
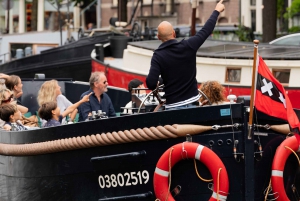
x=253, y=88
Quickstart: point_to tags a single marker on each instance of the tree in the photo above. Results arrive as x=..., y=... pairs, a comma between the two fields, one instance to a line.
x=281, y=9
x=34, y=12
x=293, y=9
x=291, y=12
x=269, y=20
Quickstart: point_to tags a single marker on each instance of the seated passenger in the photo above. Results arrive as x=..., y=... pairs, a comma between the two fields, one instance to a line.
x=11, y=115
x=50, y=91
x=51, y=112
x=214, y=91
x=135, y=83
x=7, y=96
x=99, y=100
x=14, y=84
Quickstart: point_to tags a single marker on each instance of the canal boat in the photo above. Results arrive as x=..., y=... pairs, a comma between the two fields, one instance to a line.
x=228, y=62
x=203, y=153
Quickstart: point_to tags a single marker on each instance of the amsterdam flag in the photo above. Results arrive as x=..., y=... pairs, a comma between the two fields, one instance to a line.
x=270, y=96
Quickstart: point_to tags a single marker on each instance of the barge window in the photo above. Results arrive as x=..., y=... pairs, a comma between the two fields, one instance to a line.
x=233, y=75
x=282, y=75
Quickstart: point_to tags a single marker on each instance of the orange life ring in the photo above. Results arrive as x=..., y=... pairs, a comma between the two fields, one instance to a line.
x=194, y=151
x=278, y=164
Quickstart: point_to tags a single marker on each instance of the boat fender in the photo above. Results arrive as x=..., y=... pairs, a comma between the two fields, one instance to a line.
x=196, y=151
x=281, y=155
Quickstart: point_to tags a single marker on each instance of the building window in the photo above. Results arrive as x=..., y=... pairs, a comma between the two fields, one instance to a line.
x=253, y=19
x=28, y=16
x=282, y=75
x=2, y=21
x=147, y=2
x=51, y=19
x=233, y=75
x=115, y=2
x=253, y=2
x=223, y=20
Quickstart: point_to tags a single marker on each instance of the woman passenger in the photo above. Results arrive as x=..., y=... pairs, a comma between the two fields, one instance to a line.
x=215, y=93
x=14, y=83
x=7, y=97
x=50, y=91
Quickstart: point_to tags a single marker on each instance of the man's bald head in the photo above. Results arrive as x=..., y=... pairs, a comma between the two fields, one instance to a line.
x=165, y=31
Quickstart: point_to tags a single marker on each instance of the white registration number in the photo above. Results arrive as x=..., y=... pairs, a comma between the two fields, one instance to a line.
x=126, y=179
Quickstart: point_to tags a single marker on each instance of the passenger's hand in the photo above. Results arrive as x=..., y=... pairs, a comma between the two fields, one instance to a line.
x=86, y=98
x=4, y=76
x=205, y=102
x=7, y=127
x=220, y=6
x=19, y=94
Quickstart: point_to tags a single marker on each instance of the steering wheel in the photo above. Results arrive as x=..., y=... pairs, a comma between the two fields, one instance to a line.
x=154, y=93
x=161, y=102
x=206, y=98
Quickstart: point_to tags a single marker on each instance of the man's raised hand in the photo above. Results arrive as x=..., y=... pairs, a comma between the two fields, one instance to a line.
x=220, y=6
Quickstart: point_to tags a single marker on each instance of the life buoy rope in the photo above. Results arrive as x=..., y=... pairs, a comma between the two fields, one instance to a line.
x=190, y=150
x=288, y=146
x=206, y=180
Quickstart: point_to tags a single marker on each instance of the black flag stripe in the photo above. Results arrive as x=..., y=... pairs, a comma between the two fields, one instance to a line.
x=274, y=90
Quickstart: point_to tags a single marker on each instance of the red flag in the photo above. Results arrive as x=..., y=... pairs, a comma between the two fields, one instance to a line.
x=270, y=96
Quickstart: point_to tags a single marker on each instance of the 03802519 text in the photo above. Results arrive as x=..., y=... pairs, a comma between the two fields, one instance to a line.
x=125, y=179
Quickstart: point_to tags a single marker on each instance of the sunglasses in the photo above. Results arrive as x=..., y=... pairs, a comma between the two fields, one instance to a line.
x=9, y=99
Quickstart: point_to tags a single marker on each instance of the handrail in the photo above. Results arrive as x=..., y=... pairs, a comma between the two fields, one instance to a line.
x=3, y=55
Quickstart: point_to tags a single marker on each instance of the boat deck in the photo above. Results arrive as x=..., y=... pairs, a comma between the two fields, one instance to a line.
x=234, y=50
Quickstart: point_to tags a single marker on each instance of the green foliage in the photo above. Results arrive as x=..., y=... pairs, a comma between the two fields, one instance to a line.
x=294, y=29
x=280, y=8
x=216, y=35
x=293, y=9
x=244, y=33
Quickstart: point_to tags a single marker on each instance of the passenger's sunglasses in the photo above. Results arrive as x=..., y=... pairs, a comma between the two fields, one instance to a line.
x=9, y=99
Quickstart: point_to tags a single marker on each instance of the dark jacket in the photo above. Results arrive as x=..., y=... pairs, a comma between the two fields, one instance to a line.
x=176, y=63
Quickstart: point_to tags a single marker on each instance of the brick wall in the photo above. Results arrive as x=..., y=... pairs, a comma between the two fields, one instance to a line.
x=183, y=11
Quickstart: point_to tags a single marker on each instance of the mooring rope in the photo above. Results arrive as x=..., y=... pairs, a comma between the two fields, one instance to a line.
x=109, y=138
x=103, y=139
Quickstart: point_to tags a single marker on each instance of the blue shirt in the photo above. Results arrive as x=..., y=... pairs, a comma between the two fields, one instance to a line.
x=94, y=105
x=16, y=126
x=53, y=122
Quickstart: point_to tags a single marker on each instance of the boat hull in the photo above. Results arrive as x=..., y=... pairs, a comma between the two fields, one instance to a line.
x=83, y=174
x=94, y=160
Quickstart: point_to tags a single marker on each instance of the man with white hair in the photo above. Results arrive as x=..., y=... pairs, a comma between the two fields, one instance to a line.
x=99, y=100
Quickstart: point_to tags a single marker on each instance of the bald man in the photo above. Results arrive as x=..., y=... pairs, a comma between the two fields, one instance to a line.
x=175, y=62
